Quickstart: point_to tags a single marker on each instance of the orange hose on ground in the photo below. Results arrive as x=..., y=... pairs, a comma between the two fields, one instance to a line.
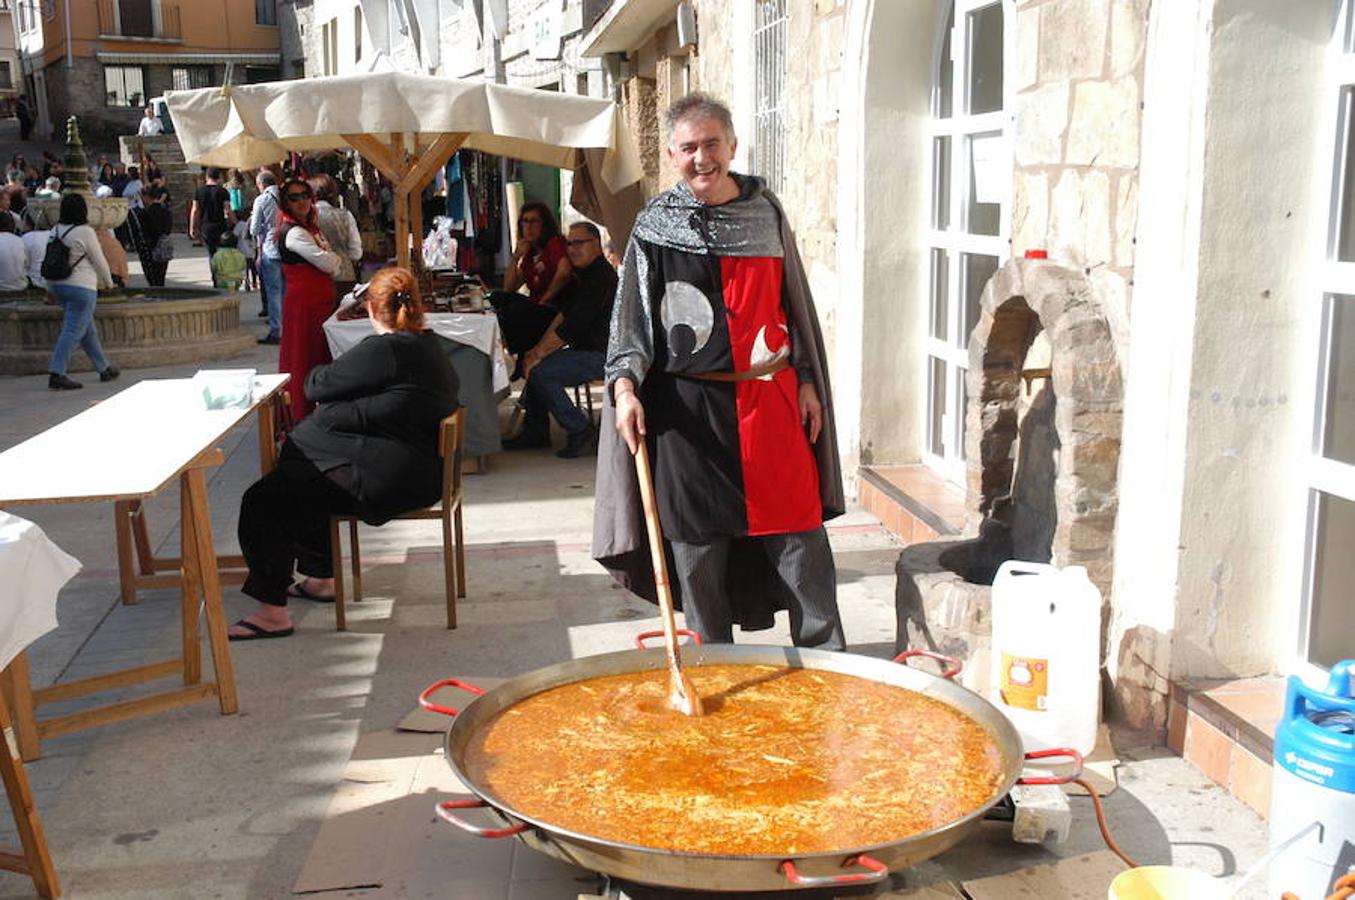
x=1101, y=823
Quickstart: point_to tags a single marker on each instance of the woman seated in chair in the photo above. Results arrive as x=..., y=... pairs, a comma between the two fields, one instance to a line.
x=370, y=449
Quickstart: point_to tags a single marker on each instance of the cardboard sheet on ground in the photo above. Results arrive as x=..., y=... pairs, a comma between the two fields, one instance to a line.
x=420, y=719
x=381, y=831
x=1083, y=877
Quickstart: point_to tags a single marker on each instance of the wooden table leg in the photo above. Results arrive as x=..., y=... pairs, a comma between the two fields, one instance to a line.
x=145, y=558
x=268, y=436
x=122, y=531
x=204, y=563
x=189, y=588
x=37, y=861
x=18, y=690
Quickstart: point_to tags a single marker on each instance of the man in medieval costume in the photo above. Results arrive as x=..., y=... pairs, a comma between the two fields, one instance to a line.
x=716, y=361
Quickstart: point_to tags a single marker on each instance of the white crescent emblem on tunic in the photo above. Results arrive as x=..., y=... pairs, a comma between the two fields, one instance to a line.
x=685, y=304
x=762, y=354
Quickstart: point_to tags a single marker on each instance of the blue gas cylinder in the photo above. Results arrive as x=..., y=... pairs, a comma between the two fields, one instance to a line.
x=1313, y=780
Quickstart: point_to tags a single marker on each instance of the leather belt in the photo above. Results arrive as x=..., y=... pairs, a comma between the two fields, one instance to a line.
x=758, y=371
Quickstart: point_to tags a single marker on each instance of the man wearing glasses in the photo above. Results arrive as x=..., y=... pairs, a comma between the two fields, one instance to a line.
x=571, y=351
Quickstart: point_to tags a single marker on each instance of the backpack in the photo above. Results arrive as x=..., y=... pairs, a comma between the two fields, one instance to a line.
x=56, y=262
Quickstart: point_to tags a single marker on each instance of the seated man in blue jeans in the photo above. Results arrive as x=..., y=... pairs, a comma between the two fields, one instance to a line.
x=572, y=350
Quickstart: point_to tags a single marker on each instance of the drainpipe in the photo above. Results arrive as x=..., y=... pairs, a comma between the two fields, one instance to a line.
x=70, y=51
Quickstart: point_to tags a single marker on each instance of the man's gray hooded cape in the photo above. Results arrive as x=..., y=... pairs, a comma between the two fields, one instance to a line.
x=619, y=540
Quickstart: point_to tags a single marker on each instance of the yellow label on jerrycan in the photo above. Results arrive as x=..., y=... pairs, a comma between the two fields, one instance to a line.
x=1046, y=654
x=1023, y=682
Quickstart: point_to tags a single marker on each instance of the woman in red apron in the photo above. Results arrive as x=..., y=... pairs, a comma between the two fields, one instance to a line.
x=308, y=267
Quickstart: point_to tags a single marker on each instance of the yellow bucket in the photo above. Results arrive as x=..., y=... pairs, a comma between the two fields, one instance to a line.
x=1166, y=883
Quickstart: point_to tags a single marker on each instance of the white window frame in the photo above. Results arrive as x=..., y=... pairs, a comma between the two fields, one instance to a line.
x=953, y=350
x=1323, y=475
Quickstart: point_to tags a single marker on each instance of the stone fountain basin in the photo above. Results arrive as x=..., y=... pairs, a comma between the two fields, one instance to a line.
x=141, y=328
x=104, y=212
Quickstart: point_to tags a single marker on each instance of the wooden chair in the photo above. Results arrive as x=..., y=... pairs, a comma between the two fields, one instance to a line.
x=448, y=510
x=583, y=399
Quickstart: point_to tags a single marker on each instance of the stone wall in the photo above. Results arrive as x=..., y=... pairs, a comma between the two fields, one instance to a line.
x=79, y=91
x=815, y=42
x=1079, y=88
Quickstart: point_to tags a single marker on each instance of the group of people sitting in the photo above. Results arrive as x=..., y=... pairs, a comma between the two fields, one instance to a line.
x=558, y=332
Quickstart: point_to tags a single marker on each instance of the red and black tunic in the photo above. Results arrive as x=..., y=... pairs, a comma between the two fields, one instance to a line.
x=730, y=458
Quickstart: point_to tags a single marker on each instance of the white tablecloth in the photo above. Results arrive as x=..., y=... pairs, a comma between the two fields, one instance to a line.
x=478, y=330
x=32, y=569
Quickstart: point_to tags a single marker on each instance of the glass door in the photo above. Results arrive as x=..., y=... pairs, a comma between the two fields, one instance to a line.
x=971, y=164
x=1328, y=611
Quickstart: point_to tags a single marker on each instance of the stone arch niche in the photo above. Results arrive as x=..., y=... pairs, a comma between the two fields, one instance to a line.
x=1084, y=397
x=1042, y=447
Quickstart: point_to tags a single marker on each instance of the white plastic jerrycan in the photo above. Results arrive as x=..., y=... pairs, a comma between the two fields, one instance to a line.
x=1046, y=656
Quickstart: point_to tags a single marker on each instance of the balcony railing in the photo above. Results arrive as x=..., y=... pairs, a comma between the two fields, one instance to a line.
x=136, y=19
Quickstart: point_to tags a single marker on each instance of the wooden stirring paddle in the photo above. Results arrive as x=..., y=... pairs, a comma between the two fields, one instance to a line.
x=682, y=695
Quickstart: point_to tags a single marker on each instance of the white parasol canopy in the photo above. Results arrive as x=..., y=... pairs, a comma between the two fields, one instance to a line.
x=258, y=124
x=409, y=125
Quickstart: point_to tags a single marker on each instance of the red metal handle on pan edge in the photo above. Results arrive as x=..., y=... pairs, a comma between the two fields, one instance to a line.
x=950, y=665
x=432, y=689
x=646, y=635
x=1055, y=779
x=444, y=811
x=878, y=872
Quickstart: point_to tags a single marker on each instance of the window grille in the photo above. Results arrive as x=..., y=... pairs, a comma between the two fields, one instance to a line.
x=266, y=12
x=189, y=78
x=769, y=61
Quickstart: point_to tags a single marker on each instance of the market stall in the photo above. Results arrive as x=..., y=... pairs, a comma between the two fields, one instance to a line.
x=408, y=126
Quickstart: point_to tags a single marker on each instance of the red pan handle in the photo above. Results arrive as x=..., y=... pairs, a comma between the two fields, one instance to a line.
x=426, y=701
x=950, y=666
x=878, y=872
x=1055, y=779
x=646, y=635
x=444, y=811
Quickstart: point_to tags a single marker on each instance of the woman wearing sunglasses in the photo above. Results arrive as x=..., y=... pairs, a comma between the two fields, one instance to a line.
x=308, y=267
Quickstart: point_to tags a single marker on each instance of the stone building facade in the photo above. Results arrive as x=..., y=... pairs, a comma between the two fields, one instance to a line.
x=1137, y=144
x=104, y=61
x=1144, y=146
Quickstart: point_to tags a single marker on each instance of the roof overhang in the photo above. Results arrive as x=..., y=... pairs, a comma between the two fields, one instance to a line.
x=626, y=24
x=189, y=59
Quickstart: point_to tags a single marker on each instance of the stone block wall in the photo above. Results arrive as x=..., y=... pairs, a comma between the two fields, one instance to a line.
x=79, y=91
x=815, y=40
x=1079, y=88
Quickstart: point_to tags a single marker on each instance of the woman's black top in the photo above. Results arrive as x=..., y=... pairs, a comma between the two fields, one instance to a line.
x=380, y=407
x=153, y=222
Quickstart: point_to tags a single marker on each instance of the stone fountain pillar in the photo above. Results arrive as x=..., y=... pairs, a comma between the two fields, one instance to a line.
x=104, y=212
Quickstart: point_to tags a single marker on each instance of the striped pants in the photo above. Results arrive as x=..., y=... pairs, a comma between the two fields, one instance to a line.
x=803, y=560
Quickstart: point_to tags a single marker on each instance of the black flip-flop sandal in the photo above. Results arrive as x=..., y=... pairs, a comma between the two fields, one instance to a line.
x=299, y=591
x=258, y=632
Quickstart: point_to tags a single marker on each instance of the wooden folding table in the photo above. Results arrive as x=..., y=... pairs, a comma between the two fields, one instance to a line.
x=123, y=450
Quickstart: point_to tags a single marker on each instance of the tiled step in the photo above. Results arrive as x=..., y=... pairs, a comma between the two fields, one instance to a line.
x=1226, y=729
x=912, y=502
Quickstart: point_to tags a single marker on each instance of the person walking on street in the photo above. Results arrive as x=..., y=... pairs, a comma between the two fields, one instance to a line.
x=716, y=362
x=210, y=215
x=77, y=293
x=263, y=221
x=24, y=113
x=151, y=226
